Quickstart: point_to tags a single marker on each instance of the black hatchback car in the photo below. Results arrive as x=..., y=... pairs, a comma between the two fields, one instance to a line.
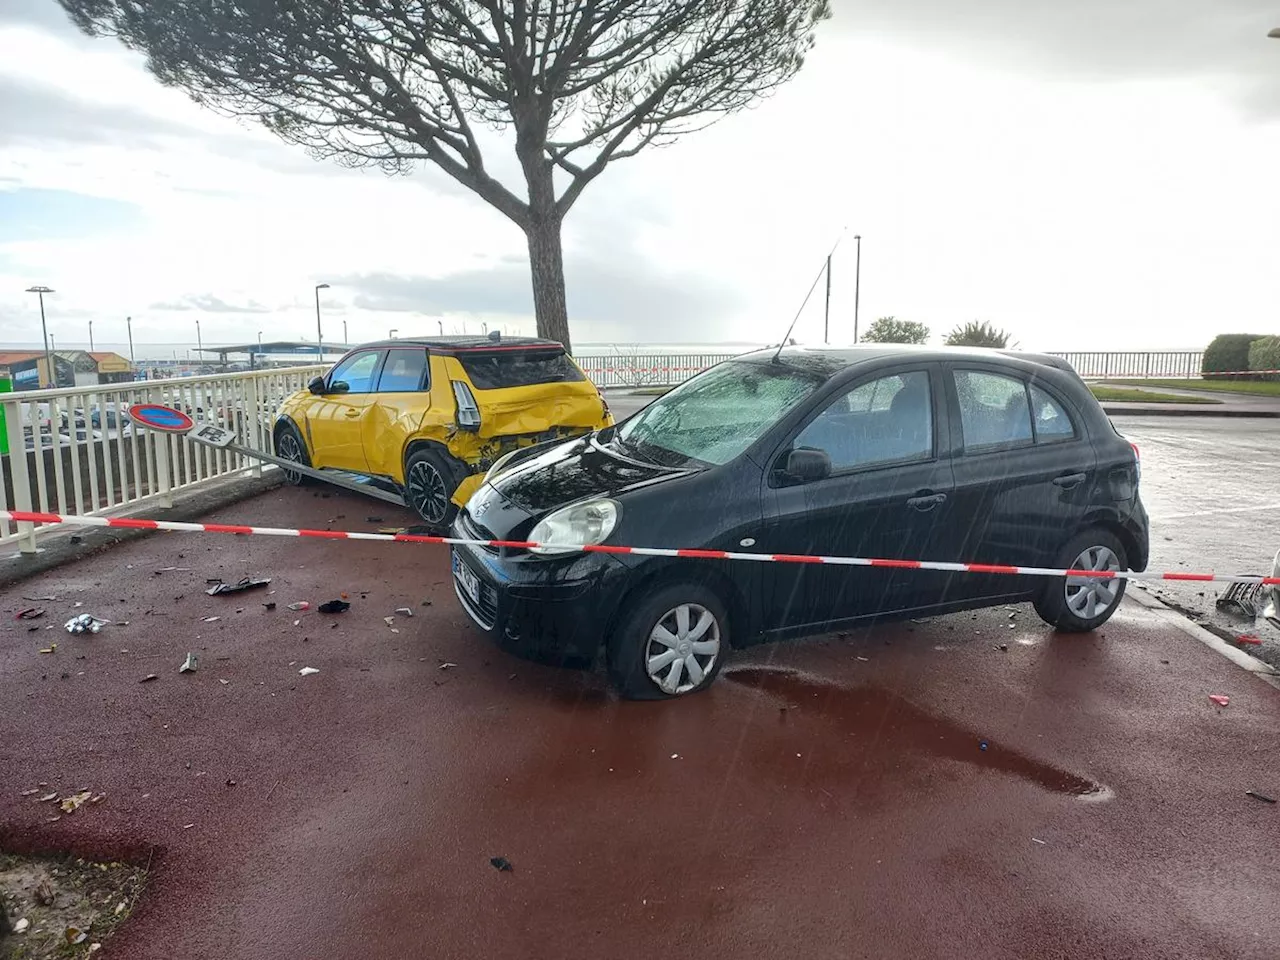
x=891, y=452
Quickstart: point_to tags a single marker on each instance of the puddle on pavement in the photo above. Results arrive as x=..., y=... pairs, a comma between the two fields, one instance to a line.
x=886, y=716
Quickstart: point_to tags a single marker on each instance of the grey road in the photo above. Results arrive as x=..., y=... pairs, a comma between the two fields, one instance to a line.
x=1210, y=486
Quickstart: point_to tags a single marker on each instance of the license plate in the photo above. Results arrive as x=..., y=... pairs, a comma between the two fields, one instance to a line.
x=469, y=582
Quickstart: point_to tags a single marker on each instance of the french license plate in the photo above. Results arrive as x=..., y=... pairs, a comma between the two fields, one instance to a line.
x=469, y=582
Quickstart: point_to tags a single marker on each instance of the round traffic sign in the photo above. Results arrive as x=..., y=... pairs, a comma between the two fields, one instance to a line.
x=152, y=416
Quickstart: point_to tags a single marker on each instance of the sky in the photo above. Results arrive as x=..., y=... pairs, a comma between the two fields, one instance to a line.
x=1098, y=175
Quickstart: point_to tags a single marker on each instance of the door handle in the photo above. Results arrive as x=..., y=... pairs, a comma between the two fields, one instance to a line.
x=926, y=503
x=354, y=412
x=1069, y=481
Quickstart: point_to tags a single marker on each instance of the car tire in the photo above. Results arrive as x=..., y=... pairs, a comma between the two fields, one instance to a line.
x=1081, y=604
x=290, y=446
x=430, y=478
x=638, y=643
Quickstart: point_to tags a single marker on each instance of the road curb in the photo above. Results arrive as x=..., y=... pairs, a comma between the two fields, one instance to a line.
x=1263, y=671
x=1198, y=410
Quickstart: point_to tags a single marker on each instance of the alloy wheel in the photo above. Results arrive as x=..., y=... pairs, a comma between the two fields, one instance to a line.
x=683, y=647
x=288, y=448
x=427, y=492
x=1090, y=597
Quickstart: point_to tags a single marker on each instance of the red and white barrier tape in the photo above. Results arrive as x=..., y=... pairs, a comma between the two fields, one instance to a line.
x=135, y=524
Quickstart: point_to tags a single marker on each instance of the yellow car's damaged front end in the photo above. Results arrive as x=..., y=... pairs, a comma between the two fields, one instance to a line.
x=430, y=416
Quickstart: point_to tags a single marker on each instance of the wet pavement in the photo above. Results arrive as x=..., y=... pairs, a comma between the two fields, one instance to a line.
x=1209, y=485
x=827, y=798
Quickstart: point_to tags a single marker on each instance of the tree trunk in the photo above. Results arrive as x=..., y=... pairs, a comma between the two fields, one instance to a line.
x=546, y=264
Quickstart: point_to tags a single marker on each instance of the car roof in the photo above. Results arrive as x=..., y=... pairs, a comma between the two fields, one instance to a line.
x=458, y=344
x=832, y=360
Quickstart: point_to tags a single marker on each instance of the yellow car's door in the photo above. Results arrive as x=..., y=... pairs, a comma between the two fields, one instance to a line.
x=402, y=398
x=335, y=420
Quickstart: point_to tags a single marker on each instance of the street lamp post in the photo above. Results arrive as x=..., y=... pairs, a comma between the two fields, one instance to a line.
x=91, y=336
x=199, y=345
x=857, y=285
x=40, y=291
x=391, y=334
x=319, y=336
x=440, y=324
x=128, y=322
x=345, y=341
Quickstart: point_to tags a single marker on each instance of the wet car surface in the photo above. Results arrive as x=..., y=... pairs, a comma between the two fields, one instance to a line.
x=881, y=452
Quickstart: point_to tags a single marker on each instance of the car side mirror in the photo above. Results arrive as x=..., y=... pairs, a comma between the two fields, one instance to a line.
x=316, y=385
x=806, y=464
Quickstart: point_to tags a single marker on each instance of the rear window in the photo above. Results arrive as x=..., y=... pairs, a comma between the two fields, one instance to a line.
x=518, y=368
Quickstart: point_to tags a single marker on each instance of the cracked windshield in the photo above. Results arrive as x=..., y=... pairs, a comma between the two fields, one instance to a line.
x=844, y=430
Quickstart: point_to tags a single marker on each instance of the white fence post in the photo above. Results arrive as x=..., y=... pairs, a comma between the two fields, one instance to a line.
x=20, y=475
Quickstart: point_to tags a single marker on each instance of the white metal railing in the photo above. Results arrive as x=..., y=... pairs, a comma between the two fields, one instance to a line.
x=76, y=452
x=646, y=369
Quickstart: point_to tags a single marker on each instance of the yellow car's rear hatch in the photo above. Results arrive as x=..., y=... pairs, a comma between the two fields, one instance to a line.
x=529, y=390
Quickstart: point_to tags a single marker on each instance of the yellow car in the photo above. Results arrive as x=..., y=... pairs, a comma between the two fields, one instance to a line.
x=428, y=417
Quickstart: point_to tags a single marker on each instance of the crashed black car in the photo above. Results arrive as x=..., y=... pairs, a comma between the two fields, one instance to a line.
x=891, y=452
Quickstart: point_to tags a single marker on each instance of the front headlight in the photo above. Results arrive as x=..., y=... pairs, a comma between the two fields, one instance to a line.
x=576, y=526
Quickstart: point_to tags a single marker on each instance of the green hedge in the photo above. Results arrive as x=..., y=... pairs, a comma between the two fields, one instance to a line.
x=1228, y=352
x=1264, y=354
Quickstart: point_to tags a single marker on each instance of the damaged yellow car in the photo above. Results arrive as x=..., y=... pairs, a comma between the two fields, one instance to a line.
x=426, y=418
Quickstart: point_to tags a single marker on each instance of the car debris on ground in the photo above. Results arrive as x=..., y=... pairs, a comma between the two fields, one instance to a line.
x=334, y=606
x=502, y=864
x=85, y=623
x=244, y=583
x=299, y=605
x=190, y=664
x=307, y=671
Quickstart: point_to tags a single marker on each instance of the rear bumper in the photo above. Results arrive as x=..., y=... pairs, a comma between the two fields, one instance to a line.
x=1137, y=528
x=547, y=609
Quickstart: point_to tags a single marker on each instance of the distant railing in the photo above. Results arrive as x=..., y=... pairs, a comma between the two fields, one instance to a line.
x=1143, y=364
x=647, y=369
x=75, y=451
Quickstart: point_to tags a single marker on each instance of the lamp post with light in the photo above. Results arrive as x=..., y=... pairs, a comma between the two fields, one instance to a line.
x=40, y=291
x=319, y=336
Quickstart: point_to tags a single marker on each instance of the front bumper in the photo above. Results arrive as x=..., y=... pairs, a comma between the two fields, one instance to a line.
x=547, y=608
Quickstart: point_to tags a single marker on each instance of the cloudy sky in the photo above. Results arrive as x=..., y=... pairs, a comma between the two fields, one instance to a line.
x=1093, y=175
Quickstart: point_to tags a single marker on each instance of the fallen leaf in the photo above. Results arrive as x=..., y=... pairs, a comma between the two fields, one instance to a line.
x=74, y=802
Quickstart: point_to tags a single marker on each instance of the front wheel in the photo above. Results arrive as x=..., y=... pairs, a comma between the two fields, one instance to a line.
x=429, y=483
x=669, y=644
x=289, y=446
x=1081, y=604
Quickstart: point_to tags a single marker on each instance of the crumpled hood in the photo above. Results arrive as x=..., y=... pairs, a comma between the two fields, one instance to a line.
x=574, y=470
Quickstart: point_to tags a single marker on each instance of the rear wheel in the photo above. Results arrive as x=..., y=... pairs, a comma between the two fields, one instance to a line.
x=669, y=643
x=289, y=446
x=1081, y=604
x=429, y=482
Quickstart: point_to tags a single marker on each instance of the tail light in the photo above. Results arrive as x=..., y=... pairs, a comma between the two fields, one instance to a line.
x=1137, y=459
x=604, y=403
x=468, y=410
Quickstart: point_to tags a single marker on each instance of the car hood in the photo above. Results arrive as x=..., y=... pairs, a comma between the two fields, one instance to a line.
x=571, y=471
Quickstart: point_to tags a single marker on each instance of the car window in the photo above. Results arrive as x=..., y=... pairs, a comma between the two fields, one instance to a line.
x=1053, y=423
x=885, y=420
x=402, y=373
x=993, y=410
x=714, y=416
x=518, y=368
x=356, y=371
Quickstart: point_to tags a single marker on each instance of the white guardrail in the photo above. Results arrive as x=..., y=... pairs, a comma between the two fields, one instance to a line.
x=74, y=451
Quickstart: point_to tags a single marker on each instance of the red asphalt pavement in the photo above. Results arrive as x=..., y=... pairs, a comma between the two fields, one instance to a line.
x=825, y=798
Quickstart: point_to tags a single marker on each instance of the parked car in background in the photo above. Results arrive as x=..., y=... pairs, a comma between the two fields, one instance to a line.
x=427, y=417
x=883, y=451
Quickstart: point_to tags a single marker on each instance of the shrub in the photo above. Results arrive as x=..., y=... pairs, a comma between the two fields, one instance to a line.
x=893, y=330
x=1229, y=352
x=1264, y=354
x=975, y=334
